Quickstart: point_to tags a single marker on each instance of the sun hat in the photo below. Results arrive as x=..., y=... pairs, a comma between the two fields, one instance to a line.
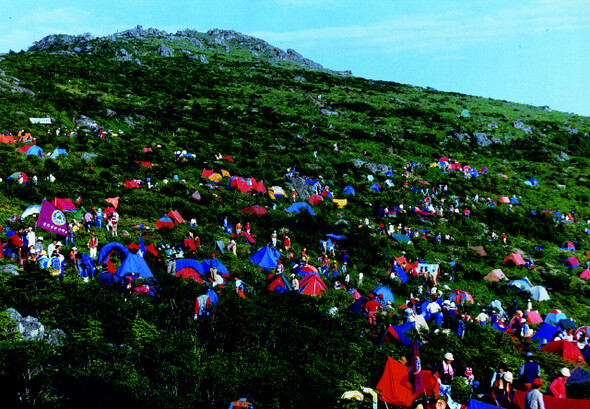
x=508, y=376
x=449, y=357
x=528, y=354
x=565, y=372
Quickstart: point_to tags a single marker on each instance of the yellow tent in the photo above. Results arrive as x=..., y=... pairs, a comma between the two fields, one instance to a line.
x=225, y=173
x=276, y=192
x=216, y=177
x=340, y=202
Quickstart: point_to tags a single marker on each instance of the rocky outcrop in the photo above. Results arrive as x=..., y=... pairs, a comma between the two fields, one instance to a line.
x=520, y=125
x=374, y=168
x=165, y=50
x=31, y=329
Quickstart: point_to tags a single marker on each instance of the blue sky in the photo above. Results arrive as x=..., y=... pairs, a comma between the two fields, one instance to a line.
x=528, y=51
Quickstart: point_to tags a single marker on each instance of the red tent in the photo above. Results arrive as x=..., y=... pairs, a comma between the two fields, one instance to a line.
x=309, y=268
x=64, y=204
x=274, y=280
x=259, y=187
x=257, y=210
x=143, y=163
x=585, y=274
x=504, y=199
x=150, y=248
x=534, y=317
x=401, y=260
x=7, y=139
x=516, y=258
x=24, y=148
x=395, y=386
x=109, y=210
x=131, y=184
x=312, y=284
x=113, y=200
x=147, y=149
x=568, y=350
x=206, y=173
x=174, y=215
x=315, y=199
x=189, y=272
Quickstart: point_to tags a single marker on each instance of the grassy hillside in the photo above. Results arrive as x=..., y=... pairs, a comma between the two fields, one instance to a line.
x=271, y=111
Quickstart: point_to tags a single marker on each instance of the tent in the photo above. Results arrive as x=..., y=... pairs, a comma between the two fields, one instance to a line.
x=257, y=210
x=460, y=297
x=474, y=404
x=174, y=215
x=35, y=151
x=189, y=268
x=276, y=192
x=585, y=274
x=31, y=210
x=398, y=333
x=479, y=250
x=552, y=402
x=335, y=236
x=545, y=333
x=165, y=221
x=396, y=389
x=534, y=317
x=58, y=151
x=64, y=204
x=387, y=294
x=566, y=324
x=144, y=163
x=7, y=139
x=266, y=257
x=341, y=203
x=403, y=238
x=215, y=177
x=134, y=264
x=568, y=350
x=539, y=293
x=495, y=275
x=504, y=199
x=312, y=284
x=571, y=262
x=17, y=175
x=555, y=316
x=315, y=199
x=516, y=258
x=106, y=251
x=375, y=187
x=221, y=268
x=306, y=269
x=348, y=190
x=277, y=281
x=297, y=206
x=524, y=285
x=568, y=246
x=196, y=195
x=131, y=184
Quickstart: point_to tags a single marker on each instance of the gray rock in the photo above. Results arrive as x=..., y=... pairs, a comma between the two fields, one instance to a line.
x=493, y=125
x=327, y=112
x=573, y=131
x=110, y=112
x=562, y=156
x=55, y=337
x=123, y=55
x=372, y=167
x=9, y=268
x=85, y=122
x=165, y=50
x=299, y=79
x=520, y=125
x=14, y=314
x=547, y=108
x=31, y=328
x=304, y=189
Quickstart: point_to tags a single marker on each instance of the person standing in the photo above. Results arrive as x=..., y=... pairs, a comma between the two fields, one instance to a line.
x=445, y=373
x=92, y=245
x=529, y=371
x=557, y=387
x=294, y=282
x=171, y=253
x=534, y=398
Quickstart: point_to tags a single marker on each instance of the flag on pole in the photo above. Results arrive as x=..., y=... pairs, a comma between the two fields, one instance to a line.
x=141, y=246
x=416, y=370
x=52, y=219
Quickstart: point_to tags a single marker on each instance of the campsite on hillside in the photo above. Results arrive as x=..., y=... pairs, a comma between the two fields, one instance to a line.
x=189, y=219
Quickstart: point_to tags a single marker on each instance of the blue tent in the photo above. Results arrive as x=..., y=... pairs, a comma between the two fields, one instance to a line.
x=221, y=268
x=389, y=174
x=297, y=206
x=555, y=316
x=57, y=152
x=498, y=305
x=358, y=306
x=35, y=150
x=523, y=285
x=402, y=274
x=108, y=248
x=375, y=187
x=539, y=293
x=545, y=333
x=514, y=200
x=335, y=236
x=188, y=262
x=134, y=264
x=267, y=257
x=401, y=237
x=399, y=332
x=387, y=294
x=474, y=404
x=213, y=296
x=348, y=190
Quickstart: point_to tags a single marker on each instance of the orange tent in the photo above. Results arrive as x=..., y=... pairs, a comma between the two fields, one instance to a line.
x=395, y=386
x=516, y=258
x=7, y=139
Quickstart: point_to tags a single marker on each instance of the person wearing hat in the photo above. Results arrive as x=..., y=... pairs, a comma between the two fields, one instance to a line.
x=444, y=373
x=534, y=398
x=43, y=259
x=529, y=371
x=557, y=387
x=294, y=282
x=39, y=245
x=501, y=391
x=92, y=245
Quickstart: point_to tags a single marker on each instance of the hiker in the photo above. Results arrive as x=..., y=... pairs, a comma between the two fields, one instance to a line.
x=213, y=268
x=273, y=238
x=502, y=392
x=534, y=398
x=202, y=306
x=372, y=307
x=557, y=387
x=294, y=282
x=233, y=247
x=92, y=245
x=114, y=223
x=529, y=371
x=239, y=285
x=444, y=373
x=171, y=257
x=287, y=243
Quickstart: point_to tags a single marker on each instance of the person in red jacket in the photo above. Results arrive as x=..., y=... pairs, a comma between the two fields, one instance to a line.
x=557, y=387
x=372, y=307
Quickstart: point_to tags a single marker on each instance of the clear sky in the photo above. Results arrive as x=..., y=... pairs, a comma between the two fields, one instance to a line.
x=530, y=51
